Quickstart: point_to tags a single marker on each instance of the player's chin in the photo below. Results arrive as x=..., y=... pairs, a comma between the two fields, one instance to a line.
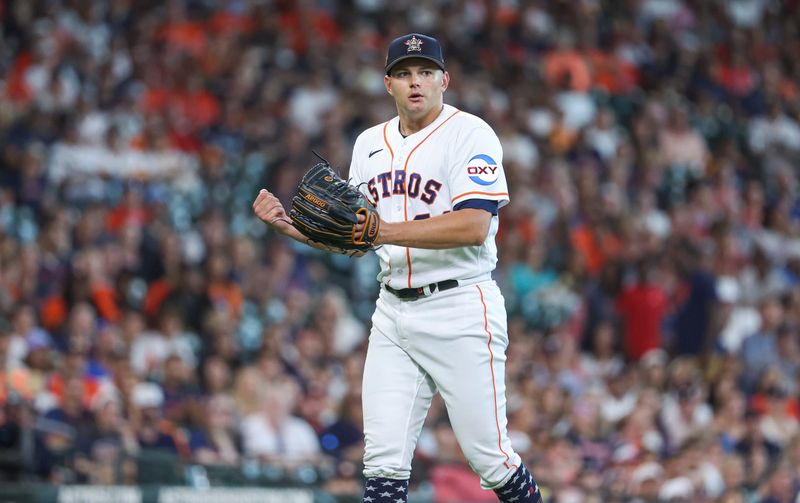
x=416, y=107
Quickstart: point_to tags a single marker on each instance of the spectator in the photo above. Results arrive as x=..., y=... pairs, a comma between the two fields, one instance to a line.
x=762, y=277
x=216, y=377
x=218, y=441
x=755, y=449
x=780, y=422
x=737, y=320
x=150, y=350
x=727, y=423
x=621, y=398
x=603, y=360
x=695, y=300
x=680, y=146
x=643, y=307
x=152, y=431
x=181, y=404
x=107, y=446
x=760, y=350
x=38, y=360
x=653, y=365
x=344, y=439
x=684, y=411
x=273, y=434
x=13, y=381
x=62, y=428
x=775, y=133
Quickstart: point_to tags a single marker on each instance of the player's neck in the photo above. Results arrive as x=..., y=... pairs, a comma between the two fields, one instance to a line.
x=410, y=125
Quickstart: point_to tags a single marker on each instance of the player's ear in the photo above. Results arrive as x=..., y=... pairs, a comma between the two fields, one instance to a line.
x=445, y=80
x=387, y=81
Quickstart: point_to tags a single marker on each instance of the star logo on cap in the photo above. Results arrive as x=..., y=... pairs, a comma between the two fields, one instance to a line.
x=414, y=44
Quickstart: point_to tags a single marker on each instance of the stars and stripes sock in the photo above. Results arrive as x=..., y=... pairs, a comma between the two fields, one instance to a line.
x=521, y=488
x=381, y=490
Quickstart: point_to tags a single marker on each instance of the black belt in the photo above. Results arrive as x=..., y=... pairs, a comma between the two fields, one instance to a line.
x=416, y=293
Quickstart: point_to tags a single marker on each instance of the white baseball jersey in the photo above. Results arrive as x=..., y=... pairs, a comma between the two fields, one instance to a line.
x=456, y=158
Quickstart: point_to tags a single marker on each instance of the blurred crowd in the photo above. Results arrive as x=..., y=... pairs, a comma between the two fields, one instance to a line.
x=650, y=258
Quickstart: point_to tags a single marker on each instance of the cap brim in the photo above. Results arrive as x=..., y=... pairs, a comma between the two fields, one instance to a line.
x=412, y=56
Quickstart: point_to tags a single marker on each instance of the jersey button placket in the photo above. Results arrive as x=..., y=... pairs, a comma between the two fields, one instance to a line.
x=398, y=203
x=396, y=214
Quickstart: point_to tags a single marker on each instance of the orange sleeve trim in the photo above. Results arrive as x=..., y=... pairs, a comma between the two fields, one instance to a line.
x=494, y=386
x=479, y=193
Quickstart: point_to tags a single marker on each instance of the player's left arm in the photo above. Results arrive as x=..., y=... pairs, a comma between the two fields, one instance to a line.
x=478, y=188
x=465, y=227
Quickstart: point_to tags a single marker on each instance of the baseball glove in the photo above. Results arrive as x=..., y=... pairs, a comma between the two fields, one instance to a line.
x=326, y=208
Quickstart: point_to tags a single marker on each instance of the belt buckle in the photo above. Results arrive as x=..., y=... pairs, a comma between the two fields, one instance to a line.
x=427, y=290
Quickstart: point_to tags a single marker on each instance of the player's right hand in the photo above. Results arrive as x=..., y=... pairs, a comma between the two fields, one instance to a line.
x=269, y=209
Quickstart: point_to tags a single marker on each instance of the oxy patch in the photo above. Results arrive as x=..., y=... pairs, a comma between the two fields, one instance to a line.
x=483, y=170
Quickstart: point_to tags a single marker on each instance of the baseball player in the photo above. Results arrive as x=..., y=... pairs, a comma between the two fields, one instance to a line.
x=435, y=175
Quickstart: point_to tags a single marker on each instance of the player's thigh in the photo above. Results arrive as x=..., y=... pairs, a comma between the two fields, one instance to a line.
x=396, y=395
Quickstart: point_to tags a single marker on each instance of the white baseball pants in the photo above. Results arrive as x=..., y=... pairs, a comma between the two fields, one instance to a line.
x=453, y=342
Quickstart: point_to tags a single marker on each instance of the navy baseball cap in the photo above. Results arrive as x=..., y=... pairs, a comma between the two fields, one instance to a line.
x=414, y=45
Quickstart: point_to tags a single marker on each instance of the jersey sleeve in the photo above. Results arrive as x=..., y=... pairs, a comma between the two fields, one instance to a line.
x=478, y=204
x=476, y=168
x=354, y=175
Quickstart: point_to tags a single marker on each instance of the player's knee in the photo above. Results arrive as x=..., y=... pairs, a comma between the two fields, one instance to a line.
x=495, y=471
x=496, y=475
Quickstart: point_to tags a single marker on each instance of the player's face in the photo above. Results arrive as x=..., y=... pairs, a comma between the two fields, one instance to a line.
x=417, y=86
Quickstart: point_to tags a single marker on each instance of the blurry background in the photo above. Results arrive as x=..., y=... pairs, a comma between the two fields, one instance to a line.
x=153, y=333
